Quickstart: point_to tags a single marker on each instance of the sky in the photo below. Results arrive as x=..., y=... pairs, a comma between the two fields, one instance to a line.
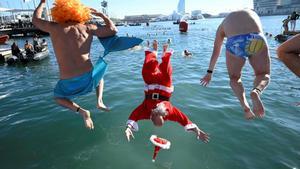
x=121, y=8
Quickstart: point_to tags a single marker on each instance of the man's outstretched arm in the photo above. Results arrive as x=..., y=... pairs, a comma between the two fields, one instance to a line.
x=37, y=20
x=178, y=116
x=215, y=55
x=108, y=30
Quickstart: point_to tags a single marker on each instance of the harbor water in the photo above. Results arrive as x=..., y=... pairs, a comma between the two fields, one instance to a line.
x=35, y=133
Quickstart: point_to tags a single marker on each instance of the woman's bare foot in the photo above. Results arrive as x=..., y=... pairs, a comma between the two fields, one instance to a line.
x=258, y=107
x=249, y=115
x=87, y=119
x=102, y=106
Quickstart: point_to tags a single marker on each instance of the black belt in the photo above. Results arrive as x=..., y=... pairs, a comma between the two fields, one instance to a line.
x=156, y=96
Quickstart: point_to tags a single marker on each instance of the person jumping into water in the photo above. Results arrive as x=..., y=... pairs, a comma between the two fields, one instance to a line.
x=288, y=52
x=245, y=39
x=71, y=38
x=158, y=90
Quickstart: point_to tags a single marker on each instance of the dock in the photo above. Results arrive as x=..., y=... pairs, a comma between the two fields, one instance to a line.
x=29, y=31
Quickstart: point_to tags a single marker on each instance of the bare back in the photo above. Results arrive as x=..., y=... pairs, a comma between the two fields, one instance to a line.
x=72, y=43
x=241, y=22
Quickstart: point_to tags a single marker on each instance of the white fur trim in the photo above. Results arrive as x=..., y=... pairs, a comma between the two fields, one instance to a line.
x=163, y=146
x=133, y=124
x=159, y=87
x=190, y=126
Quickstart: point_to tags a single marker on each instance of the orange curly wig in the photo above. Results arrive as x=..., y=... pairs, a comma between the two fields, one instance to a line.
x=70, y=10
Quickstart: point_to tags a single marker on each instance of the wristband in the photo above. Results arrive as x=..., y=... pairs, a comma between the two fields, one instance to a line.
x=209, y=71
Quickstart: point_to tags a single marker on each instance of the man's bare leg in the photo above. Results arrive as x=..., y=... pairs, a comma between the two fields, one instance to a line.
x=261, y=65
x=288, y=53
x=234, y=67
x=74, y=107
x=99, y=93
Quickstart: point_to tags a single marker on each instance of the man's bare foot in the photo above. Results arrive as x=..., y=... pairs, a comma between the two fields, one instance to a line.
x=258, y=107
x=155, y=45
x=87, y=119
x=249, y=115
x=102, y=106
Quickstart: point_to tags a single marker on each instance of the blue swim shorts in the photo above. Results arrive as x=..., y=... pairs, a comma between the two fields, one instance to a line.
x=70, y=88
x=245, y=45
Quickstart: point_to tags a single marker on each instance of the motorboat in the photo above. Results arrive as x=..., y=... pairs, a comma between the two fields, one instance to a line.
x=25, y=58
x=41, y=55
x=3, y=38
x=134, y=24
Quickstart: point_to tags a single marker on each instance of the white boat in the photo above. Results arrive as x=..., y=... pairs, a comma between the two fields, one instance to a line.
x=41, y=55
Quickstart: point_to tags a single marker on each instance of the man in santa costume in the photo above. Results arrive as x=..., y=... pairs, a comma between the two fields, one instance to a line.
x=158, y=90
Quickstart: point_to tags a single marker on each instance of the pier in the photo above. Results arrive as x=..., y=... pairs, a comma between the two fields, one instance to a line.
x=22, y=31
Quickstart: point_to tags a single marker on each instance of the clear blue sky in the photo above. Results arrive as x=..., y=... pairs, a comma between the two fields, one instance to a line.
x=120, y=8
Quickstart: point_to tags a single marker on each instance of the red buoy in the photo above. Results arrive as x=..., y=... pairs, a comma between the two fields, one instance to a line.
x=183, y=26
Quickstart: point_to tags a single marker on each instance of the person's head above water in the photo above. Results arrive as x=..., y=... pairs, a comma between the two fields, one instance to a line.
x=70, y=11
x=158, y=114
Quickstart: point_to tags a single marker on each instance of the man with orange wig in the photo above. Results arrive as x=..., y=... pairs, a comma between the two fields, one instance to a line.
x=71, y=38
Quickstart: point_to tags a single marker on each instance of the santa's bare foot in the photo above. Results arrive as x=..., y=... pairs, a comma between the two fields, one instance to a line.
x=249, y=115
x=87, y=119
x=102, y=106
x=155, y=45
x=165, y=48
x=258, y=107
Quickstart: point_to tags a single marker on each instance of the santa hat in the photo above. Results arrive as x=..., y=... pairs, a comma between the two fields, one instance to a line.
x=159, y=143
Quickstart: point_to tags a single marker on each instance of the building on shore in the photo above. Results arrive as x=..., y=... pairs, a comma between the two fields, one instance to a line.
x=276, y=7
x=140, y=18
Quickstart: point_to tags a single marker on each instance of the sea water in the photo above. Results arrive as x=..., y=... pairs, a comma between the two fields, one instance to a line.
x=35, y=133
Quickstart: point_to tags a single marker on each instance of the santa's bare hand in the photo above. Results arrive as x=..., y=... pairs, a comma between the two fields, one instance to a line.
x=201, y=135
x=129, y=134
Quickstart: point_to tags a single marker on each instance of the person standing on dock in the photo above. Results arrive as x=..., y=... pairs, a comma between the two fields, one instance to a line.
x=245, y=39
x=285, y=24
x=294, y=18
x=71, y=38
